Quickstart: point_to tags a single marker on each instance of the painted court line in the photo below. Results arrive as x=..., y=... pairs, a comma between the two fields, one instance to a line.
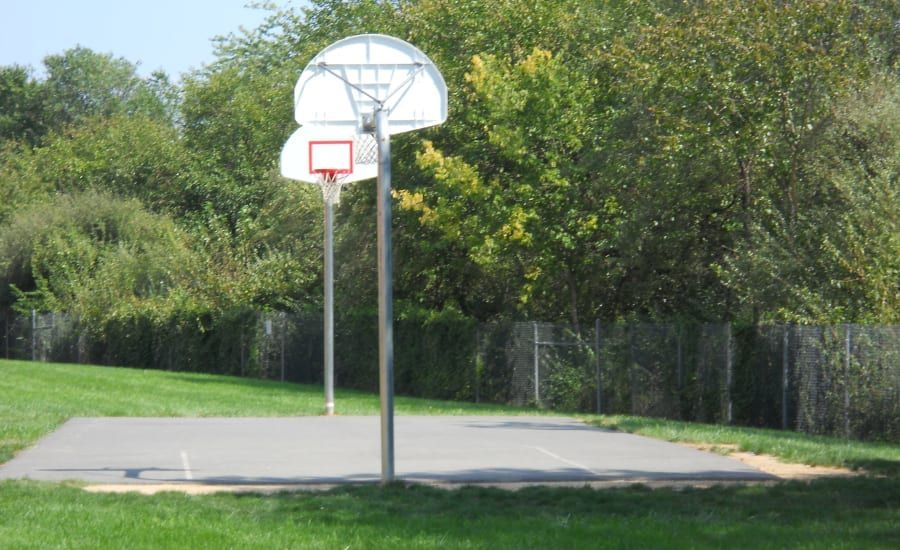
x=567, y=461
x=186, y=464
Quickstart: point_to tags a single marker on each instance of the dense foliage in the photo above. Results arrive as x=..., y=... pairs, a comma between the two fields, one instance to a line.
x=705, y=160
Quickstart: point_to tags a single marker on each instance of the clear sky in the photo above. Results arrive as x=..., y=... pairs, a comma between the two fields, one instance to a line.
x=172, y=35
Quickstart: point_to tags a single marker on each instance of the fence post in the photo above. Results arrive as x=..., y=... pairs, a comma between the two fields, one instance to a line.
x=729, y=374
x=241, y=351
x=283, y=330
x=632, y=362
x=847, y=351
x=6, y=336
x=537, y=366
x=477, y=377
x=785, y=380
x=81, y=345
x=599, y=372
x=33, y=335
x=679, y=357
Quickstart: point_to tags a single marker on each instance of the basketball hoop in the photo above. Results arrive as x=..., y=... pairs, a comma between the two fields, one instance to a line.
x=349, y=100
x=331, y=182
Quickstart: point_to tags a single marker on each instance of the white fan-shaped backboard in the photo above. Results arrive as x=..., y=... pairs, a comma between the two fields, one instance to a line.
x=347, y=80
x=297, y=164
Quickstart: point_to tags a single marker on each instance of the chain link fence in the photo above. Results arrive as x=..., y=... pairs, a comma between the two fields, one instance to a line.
x=839, y=380
x=836, y=380
x=848, y=380
x=43, y=337
x=663, y=370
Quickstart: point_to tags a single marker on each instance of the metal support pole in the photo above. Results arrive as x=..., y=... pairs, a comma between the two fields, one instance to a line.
x=537, y=366
x=329, y=307
x=385, y=296
x=599, y=372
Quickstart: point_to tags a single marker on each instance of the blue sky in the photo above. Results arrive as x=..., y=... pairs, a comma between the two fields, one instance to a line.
x=172, y=35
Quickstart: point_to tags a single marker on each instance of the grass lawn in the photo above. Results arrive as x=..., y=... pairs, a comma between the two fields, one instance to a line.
x=35, y=398
x=859, y=513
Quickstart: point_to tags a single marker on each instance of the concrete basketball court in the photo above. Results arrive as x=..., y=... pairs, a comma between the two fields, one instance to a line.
x=336, y=450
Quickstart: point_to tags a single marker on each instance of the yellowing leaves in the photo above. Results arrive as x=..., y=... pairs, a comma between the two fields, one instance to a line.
x=477, y=75
x=533, y=62
x=514, y=230
x=451, y=171
x=415, y=202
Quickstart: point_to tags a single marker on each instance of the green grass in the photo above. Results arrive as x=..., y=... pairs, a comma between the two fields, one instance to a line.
x=878, y=458
x=859, y=513
x=35, y=398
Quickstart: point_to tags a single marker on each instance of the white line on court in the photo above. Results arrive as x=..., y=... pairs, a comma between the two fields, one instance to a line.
x=185, y=463
x=566, y=461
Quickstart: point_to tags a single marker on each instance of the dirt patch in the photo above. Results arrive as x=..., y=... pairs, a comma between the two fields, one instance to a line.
x=201, y=489
x=204, y=489
x=772, y=465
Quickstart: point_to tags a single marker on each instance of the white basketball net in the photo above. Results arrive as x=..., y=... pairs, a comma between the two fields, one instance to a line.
x=331, y=184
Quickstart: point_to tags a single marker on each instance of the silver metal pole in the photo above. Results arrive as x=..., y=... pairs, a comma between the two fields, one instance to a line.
x=329, y=307
x=385, y=297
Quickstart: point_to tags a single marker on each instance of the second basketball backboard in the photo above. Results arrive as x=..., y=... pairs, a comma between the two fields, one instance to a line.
x=311, y=151
x=352, y=78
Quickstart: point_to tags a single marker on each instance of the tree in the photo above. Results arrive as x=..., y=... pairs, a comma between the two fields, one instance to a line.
x=726, y=103
x=82, y=84
x=840, y=259
x=21, y=106
x=129, y=156
x=524, y=203
x=235, y=123
x=90, y=254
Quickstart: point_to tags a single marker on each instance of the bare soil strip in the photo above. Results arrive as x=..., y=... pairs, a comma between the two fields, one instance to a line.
x=772, y=465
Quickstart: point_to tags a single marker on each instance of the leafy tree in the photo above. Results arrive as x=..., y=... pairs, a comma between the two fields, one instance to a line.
x=235, y=124
x=726, y=102
x=21, y=106
x=610, y=158
x=82, y=84
x=130, y=156
x=525, y=202
x=839, y=261
x=89, y=254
